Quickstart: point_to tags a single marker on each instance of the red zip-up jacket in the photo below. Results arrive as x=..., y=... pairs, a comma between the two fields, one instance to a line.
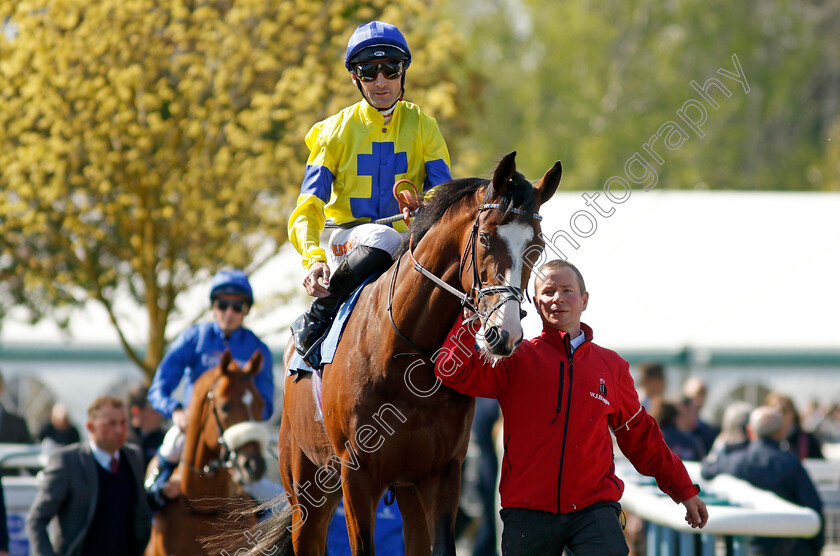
x=558, y=412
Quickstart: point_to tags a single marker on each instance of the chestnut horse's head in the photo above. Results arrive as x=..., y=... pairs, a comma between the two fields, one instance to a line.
x=224, y=430
x=499, y=243
x=507, y=241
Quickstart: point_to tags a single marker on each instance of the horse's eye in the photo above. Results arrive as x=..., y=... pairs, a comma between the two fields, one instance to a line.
x=484, y=238
x=225, y=407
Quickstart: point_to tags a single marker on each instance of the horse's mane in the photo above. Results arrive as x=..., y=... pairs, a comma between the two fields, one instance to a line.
x=519, y=194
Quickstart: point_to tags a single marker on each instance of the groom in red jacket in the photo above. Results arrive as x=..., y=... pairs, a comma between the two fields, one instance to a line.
x=561, y=395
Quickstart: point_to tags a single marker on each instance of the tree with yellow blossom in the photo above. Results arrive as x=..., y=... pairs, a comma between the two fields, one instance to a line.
x=145, y=144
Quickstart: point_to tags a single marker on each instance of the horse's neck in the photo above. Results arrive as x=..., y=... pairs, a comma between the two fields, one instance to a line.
x=423, y=310
x=194, y=482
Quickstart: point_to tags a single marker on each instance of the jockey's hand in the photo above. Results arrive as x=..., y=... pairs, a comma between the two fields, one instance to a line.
x=406, y=212
x=172, y=489
x=696, y=513
x=317, y=280
x=179, y=418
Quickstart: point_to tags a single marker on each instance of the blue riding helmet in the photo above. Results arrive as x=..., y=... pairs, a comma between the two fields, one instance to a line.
x=376, y=40
x=231, y=282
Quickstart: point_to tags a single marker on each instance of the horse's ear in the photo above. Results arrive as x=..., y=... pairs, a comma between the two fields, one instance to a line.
x=547, y=186
x=225, y=361
x=254, y=365
x=504, y=172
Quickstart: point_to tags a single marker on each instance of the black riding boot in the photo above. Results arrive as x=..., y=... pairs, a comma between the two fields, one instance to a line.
x=309, y=329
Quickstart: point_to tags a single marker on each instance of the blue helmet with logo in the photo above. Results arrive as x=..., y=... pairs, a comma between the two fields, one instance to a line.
x=376, y=40
x=231, y=282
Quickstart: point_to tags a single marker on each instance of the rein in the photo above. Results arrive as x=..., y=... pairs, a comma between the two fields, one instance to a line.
x=507, y=292
x=227, y=455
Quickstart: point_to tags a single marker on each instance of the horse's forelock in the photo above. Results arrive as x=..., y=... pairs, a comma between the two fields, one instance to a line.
x=518, y=194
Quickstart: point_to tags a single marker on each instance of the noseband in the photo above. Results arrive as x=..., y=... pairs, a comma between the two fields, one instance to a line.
x=472, y=298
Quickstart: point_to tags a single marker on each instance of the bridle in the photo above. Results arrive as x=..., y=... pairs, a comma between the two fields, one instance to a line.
x=227, y=457
x=472, y=298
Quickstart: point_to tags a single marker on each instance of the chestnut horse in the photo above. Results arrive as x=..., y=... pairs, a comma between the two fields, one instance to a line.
x=223, y=450
x=385, y=422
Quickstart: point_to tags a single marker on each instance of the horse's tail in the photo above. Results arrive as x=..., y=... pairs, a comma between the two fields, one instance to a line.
x=269, y=535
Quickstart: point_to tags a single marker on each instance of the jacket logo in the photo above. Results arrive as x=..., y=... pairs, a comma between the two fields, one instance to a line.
x=602, y=393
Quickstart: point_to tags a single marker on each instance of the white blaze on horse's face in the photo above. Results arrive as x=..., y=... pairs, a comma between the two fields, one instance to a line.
x=516, y=236
x=247, y=398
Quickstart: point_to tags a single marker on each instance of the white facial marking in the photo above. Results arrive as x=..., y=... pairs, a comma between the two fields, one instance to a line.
x=516, y=236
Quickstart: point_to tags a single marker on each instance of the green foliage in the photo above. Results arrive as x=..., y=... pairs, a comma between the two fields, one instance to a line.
x=590, y=83
x=146, y=144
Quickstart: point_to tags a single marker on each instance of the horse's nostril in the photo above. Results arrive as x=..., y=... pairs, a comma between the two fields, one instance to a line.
x=496, y=337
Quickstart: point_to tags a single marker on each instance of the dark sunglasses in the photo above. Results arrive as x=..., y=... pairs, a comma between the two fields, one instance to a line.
x=368, y=72
x=222, y=305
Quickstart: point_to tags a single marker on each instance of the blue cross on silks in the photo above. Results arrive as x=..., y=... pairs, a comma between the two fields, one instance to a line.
x=382, y=166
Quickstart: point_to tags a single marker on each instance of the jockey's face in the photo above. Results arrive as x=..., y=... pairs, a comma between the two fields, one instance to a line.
x=382, y=92
x=229, y=311
x=560, y=301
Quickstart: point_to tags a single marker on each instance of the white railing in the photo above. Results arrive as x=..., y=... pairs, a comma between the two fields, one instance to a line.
x=736, y=509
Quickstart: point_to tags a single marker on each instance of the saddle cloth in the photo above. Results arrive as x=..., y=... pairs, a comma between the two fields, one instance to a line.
x=329, y=345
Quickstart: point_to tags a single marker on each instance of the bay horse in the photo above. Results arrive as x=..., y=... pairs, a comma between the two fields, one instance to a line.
x=385, y=423
x=223, y=450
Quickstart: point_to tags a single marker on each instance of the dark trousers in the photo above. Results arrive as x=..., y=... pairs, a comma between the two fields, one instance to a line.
x=592, y=531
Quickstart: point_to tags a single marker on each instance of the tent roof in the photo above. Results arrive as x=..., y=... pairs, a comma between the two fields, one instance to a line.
x=666, y=270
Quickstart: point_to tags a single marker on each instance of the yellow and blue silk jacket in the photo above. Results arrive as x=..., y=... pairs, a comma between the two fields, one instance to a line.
x=354, y=161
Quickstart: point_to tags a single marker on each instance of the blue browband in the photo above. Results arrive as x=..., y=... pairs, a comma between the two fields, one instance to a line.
x=533, y=215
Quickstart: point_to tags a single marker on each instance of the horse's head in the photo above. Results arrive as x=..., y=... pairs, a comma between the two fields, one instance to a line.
x=502, y=244
x=223, y=430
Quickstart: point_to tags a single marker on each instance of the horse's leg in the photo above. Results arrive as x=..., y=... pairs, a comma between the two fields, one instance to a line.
x=315, y=505
x=415, y=531
x=361, y=497
x=441, y=494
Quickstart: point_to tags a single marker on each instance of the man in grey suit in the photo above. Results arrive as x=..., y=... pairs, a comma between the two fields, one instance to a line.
x=92, y=492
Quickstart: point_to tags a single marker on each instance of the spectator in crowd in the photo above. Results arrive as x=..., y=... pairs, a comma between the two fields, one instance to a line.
x=145, y=424
x=695, y=390
x=13, y=429
x=797, y=440
x=677, y=420
x=765, y=465
x=652, y=384
x=813, y=415
x=733, y=434
x=829, y=427
x=196, y=350
x=485, y=418
x=58, y=428
x=388, y=533
x=92, y=493
x=558, y=487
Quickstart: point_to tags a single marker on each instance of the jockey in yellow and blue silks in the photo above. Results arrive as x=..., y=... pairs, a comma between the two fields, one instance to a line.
x=355, y=158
